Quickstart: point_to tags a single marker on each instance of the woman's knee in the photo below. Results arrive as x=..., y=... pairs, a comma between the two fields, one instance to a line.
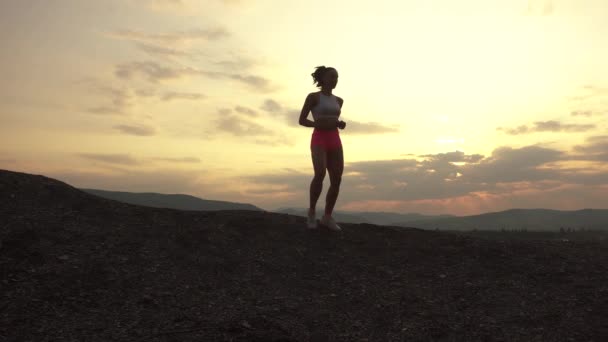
x=335, y=181
x=319, y=177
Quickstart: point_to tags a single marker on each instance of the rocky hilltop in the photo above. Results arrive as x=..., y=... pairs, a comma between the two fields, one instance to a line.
x=77, y=267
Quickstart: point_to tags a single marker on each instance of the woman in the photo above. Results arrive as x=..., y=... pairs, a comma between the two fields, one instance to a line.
x=325, y=145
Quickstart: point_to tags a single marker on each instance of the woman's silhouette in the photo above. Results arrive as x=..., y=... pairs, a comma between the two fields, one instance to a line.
x=325, y=145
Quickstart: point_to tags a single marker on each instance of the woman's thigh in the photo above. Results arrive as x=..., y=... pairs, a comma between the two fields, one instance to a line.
x=319, y=160
x=335, y=164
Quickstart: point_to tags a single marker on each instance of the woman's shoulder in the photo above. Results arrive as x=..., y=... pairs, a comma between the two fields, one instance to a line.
x=315, y=95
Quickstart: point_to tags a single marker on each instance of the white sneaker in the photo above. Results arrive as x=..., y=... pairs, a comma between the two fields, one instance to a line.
x=330, y=223
x=311, y=221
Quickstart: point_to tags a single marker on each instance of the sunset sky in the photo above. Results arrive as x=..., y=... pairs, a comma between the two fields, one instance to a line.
x=452, y=107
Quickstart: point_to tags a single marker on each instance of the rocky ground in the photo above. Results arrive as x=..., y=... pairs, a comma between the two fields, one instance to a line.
x=76, y=267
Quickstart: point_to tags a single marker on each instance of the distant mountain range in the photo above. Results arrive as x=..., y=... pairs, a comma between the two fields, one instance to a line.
x=512, y=219
x=520, y=219
x=174, y=201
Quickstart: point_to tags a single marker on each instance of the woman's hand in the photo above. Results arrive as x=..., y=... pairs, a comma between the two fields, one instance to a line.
x=341, y=124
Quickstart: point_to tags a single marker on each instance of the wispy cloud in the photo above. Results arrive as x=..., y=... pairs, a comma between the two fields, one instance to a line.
x=112, y=158
x=172, y=95
x=161, y=51
x=455, y=156
x=239, y=126
x=136, y=130
x=120, y=99
x=172, y=39
x=247, y=111
x=179, y=160
x=594, y=148
x=292, y=116
x=355, y=127
x=587, y=113
x=548, y=126
x=589, y=92
x=271, y=106
x=154, y=72
x=245, y=122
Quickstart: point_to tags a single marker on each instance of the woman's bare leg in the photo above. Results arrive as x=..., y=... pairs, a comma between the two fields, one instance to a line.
x=319, y=163
x=335, y=167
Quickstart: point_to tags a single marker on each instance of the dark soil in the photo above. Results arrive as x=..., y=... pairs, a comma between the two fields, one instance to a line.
x=76, y=267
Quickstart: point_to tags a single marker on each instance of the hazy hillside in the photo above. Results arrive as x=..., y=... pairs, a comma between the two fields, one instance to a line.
x=79, y=267
x=381, y=218
x=175, y=201
x=530, y=219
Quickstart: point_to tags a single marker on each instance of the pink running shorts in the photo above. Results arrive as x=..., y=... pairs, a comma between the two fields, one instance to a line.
x=329, y=139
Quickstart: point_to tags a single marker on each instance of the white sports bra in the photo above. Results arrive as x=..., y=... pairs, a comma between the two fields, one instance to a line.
x=327, y=106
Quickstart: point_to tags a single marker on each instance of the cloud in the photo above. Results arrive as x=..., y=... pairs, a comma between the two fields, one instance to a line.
x=594, y=148
x=292, y=116
x=155, y=50
x=355, y=127
x=171, y=95
x=173, y=39
x=116, y=158
x=433, y=183
x=120, y=99
x=180, y=160
x=154, y=72
x=583, y=113
x=247, y=111
x=274, y=109
x=105, y=110
x=185, y=44
x=255, y=82
x=240, y=123
x=507, y=164
x=590, y=92
x=446, y=176
x=547, y=126
x=271, y=106
x=241, y=127
x=455, y=156
x=556, y=126
x=136, y=130
x=238, y=63
x=178, y=43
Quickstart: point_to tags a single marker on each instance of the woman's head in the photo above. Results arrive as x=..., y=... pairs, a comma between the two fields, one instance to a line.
x=325, y=77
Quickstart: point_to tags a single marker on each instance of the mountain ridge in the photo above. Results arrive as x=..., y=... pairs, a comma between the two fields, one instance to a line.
x=175, y=201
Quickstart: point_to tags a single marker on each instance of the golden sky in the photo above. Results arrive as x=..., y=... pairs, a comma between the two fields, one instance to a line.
x=458, y=107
